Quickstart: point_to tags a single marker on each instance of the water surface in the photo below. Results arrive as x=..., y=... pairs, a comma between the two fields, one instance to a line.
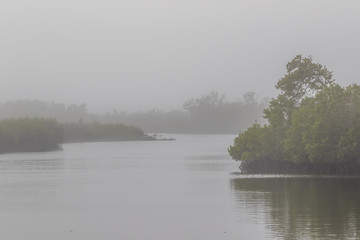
x=184, y=189
x=301, y=207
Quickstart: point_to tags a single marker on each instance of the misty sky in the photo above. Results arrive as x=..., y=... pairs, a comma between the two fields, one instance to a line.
x=139, y=54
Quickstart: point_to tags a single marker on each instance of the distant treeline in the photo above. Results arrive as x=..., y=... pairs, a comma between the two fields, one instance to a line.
x=313, y=126
x=30, y=135
x=211, y=113
x=208, y=114
x=40, y=109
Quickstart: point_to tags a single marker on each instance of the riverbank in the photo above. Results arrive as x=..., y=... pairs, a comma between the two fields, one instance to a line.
x=30, y=135
x=42, y=135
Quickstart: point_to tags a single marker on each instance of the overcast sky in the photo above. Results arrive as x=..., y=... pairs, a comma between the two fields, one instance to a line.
x=139, y=54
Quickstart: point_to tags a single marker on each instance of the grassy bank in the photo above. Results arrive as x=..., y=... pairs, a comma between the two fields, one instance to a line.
x=98, y=132
x=40, y=134
x=30, y=135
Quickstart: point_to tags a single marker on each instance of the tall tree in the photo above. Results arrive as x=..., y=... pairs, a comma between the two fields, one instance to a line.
x=302, y=79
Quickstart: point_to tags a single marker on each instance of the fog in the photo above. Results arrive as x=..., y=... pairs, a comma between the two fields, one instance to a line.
x=137, y=55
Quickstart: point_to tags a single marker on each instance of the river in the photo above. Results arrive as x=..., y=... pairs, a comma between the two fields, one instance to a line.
x=184, y=189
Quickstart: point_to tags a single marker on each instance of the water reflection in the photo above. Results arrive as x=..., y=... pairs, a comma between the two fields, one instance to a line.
x=301, y=207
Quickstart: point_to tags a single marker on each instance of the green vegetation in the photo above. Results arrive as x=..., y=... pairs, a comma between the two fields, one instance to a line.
x=40, y=134
x=91, y=132
x=313, y=126
x=29, y=135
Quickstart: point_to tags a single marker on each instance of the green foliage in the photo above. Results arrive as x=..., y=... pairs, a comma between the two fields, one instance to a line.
x=90, y=132
x=40, y=134
x=249, y=144
x=304, y=78
x=324, y=127
x=29, y=135
x=256, y=142
x=349, y=144
x=311, y=123
x=279, y=112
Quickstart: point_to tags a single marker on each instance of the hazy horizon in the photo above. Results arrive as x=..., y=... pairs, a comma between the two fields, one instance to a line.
x=138, y=55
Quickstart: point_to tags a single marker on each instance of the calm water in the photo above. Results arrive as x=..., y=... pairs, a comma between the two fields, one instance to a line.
x=184, y=189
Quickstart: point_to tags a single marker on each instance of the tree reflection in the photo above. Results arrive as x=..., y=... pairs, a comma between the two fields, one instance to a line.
x=302, y=207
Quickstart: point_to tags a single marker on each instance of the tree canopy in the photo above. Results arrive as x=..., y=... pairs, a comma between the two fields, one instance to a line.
x=304, y=78
x=313, y=125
